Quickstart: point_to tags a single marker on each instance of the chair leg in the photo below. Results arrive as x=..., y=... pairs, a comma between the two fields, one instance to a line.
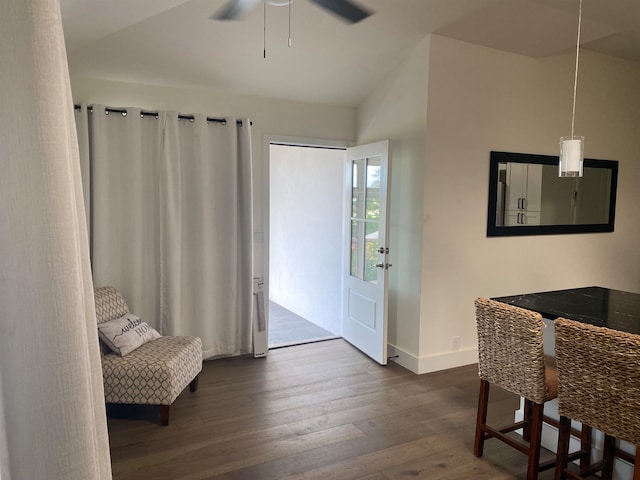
x=526, y=431
x=636, y=468
x=481, y=420
x=562, y=453
x=535, y=430
x=164, y=415
x=608, y=456
x=193, y=386
x=585, y=446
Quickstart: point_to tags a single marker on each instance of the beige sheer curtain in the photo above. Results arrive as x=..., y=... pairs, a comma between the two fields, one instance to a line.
x=52, y=413
x=125, y=205
x=82, y=127
x=171, y=217
x=206, y=276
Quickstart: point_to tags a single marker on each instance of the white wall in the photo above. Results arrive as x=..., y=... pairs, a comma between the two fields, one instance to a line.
x=270, y=117
x=477, y=100
x=481, y=100
x=397, y=110
x=306, y=210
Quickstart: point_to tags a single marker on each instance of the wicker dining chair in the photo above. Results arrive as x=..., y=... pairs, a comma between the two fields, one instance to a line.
x=599, y=385
x=511, y=356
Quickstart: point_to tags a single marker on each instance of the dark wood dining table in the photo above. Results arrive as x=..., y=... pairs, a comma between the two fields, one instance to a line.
x=603, y=307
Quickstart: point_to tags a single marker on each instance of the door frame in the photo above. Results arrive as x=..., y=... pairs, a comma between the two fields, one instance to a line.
x=263, y=235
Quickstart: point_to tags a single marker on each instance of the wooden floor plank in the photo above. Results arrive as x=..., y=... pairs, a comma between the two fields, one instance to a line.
x=317, y=411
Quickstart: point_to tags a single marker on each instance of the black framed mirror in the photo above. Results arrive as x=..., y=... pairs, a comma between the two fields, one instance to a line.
x=526, y=196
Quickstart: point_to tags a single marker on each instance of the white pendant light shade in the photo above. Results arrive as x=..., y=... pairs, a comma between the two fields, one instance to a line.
x=572, y=148
x=571, y=156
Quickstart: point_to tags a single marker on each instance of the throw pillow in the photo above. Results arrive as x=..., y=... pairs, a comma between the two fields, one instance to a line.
x=123, y=335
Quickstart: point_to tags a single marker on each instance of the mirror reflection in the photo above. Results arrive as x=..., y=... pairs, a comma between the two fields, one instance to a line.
x=527, y=196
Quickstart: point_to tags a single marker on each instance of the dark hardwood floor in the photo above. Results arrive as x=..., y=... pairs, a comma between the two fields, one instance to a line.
x=317, y=411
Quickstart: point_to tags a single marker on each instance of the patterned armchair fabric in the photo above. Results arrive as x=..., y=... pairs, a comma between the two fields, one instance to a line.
x=153, y=374
x=109, y=304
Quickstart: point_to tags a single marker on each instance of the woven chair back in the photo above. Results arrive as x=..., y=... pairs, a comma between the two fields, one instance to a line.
x=109, y=304
x=599, y=378
x=510, y=349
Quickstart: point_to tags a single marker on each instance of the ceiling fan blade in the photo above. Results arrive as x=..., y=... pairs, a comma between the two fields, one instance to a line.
x=234, y=9
x=346, y=9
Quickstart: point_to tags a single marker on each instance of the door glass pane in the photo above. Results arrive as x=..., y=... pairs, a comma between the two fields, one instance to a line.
x=357, y=190
x=365, y=214
x=372, y=211
x=371, y=252
x=354, y=248
x=372, y=216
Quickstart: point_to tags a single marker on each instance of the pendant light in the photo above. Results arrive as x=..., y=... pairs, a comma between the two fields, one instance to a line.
x=276, y=3
x=572, y=148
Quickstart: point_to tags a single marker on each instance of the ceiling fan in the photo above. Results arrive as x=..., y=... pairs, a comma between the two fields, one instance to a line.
x=345, y=9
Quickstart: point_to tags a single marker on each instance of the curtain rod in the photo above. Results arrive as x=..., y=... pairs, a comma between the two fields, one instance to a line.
x=319, y=147
x=145, y=113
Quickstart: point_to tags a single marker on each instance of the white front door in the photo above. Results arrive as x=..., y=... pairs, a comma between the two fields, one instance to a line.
x=364, y=322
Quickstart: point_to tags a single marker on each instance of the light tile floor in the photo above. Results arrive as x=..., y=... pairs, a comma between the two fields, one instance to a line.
x=287, y=328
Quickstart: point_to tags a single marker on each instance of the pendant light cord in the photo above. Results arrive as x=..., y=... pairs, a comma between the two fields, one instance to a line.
x=290, y=23
x=264, y=30
x=575, y=78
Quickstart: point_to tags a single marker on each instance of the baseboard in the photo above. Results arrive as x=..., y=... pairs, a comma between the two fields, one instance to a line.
x=402, y=357
x=432, y=363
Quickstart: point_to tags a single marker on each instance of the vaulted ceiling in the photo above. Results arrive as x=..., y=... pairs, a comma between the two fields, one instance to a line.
x=174, y=42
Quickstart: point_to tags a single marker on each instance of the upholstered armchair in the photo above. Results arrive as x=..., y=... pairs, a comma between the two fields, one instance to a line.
x=154, y=373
